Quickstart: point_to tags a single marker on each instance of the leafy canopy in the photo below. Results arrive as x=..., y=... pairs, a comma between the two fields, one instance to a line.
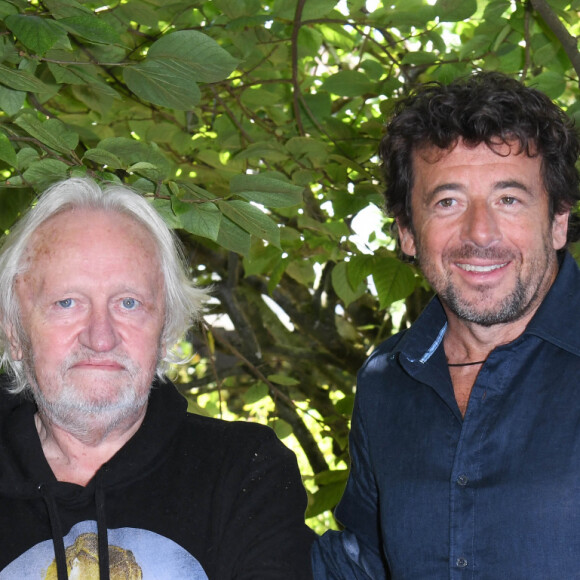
x=252, y=126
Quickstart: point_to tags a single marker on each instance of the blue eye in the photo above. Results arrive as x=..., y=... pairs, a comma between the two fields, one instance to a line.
x=130, y=303
x=66, y=303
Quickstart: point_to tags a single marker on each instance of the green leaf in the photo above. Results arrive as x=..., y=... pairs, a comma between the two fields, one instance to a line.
x=359, y=268
x=262, y=259
x=148, y=170
x=276, y=275
x=174, y=64
x=90, y=27
x=255, y=393
x=233, y=238
x=13, y=203
x=455, y=10
x=7, y=152
x=11, y=101
x=393, y=279
x=325, y=498
x=331, y=476
x=201, y=219
x=26, y=157
x=342, y=287
x=269, y=150
x=37, y=34
x=165, y=83
x=345, y=405
x=410, y=16
x=265, y=190
x=349, y=83
x=45, y=172
x=252, y=219
x=302, y=271
x=65, y=8
x=194, y=51
x=20, y=80
x=282, y=380
x=312, y=10
x=6, y=9
x=476, y=46
x=131, y=151
x=103, y=157
x=551, y=83
x=163, y=207
x=545, y=55
x=51, y=132
x=281, y=428
x=420, y=57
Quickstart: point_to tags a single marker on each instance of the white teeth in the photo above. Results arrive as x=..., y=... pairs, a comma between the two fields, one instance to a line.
x=474, y=268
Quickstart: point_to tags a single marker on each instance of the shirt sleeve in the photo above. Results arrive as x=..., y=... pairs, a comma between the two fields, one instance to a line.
x=267, y=536
x=355, y=552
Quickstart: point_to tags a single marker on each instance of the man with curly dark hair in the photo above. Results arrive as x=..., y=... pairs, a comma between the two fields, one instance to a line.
x=466, y=430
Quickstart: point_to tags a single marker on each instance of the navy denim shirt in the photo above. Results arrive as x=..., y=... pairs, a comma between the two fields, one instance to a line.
x=493, y=496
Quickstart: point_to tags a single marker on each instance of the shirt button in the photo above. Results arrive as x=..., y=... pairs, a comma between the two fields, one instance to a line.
x=463, y=479
x=461, y=562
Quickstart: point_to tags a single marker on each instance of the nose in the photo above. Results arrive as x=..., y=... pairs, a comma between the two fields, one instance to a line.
x=99, y=333
x=480, y=225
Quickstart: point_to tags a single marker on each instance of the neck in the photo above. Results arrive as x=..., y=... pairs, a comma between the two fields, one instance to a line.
x=466, y=342
x=76, y=459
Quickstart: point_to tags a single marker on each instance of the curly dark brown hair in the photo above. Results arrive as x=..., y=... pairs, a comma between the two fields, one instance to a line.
x=490, y=108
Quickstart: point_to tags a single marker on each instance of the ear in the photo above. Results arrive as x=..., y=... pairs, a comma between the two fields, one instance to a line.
x=406, y=239
x=15, y=346
x=560, y=230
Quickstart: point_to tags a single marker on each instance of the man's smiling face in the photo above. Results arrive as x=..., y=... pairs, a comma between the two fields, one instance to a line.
x=482, y=232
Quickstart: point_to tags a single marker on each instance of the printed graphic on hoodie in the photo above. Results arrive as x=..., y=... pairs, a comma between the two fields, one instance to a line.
x=134, y=554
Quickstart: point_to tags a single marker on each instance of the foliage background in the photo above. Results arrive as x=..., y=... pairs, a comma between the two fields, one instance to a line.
x=252, y=125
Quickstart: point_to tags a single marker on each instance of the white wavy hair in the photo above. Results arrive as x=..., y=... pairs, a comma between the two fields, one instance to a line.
x=183, y=300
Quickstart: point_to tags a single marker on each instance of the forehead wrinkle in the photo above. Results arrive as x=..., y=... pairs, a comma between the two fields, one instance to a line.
x=55, y=239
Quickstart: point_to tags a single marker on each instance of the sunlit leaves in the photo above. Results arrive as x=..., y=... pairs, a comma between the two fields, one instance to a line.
x=253, y=127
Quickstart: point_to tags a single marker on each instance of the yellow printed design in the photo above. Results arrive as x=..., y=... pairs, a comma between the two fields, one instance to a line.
x=82, y=561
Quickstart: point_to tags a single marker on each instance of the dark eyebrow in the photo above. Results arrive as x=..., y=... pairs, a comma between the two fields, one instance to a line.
x=512, y=184
x=443, y=187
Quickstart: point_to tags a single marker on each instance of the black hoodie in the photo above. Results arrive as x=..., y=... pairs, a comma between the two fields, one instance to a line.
x=186, y=498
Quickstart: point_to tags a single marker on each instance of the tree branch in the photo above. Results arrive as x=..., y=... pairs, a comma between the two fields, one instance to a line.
x=569, y=43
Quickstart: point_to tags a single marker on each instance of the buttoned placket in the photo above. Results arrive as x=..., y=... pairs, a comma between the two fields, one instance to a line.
x=464, y=482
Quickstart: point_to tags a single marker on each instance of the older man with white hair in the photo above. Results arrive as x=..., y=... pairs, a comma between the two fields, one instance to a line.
x=100, y=463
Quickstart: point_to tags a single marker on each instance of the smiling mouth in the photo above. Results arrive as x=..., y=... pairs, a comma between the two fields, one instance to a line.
x=482, y=269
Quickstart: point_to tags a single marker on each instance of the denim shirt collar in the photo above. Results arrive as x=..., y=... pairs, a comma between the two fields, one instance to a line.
x=555, y=320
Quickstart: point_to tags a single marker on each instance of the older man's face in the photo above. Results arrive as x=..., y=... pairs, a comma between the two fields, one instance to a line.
x=92, y=304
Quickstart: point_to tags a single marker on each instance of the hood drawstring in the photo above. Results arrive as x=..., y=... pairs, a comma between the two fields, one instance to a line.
x=58, y=536
x=56, y=530
x=102, y=532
